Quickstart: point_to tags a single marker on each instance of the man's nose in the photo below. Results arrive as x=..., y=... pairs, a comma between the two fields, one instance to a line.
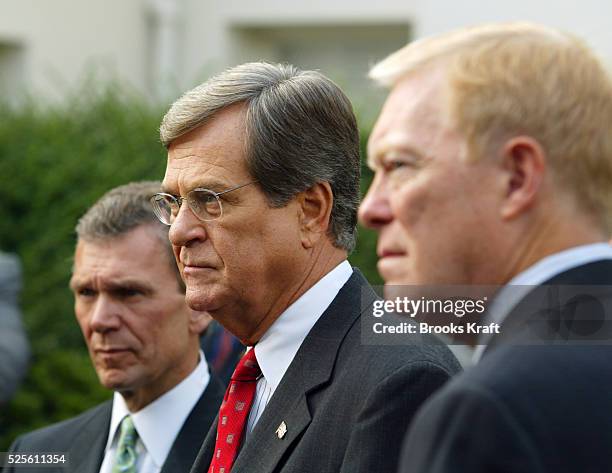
x=375, y=211
x=186, y=227
x=106, y=314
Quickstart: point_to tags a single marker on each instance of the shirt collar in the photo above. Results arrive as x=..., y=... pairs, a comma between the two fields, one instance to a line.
x=277, y=347
x=545, y=269
x=159, y=423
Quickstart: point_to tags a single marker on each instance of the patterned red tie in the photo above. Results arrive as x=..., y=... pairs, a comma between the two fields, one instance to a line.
x=234, y=413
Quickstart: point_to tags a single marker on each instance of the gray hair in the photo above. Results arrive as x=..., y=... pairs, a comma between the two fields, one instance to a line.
x=300, y=130
x=122, y=210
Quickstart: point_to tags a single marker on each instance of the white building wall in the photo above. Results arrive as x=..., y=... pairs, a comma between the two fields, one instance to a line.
x=63, y=39
x=48, y=46
x=589, y=19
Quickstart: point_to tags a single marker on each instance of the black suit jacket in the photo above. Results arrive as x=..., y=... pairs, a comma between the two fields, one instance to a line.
x=526, y=407
x=345, y=405
x=84, y=437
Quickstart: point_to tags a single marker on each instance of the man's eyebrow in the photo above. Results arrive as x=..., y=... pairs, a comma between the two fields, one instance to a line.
x=129, y=284
x=212, y=185
x=377, y=158
x=377, y=154
x=372, y=157
x=75, y=283
x=372, y=161
x=126, y=282
x=165, y=189
x=215, y=185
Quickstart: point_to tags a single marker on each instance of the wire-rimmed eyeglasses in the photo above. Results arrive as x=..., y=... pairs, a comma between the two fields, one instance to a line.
x=204, y=203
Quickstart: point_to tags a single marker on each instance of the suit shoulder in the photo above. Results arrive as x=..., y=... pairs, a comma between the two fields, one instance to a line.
x=60, y=435
x=554, y=377
x=371, y=366
x=428, y=352
x=509, y=368
x=536, y=401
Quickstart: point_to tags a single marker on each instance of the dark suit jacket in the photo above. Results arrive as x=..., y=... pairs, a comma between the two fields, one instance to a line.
x=346, y=405
x=84, y=437
x=525, y=407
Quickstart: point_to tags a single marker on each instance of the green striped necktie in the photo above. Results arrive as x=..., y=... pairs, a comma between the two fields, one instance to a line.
x=126, y=458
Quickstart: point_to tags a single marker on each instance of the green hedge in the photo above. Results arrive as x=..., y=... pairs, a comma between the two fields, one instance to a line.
x=55, y=161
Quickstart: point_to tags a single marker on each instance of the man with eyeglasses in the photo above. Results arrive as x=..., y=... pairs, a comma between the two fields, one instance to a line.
x=261, y=192
x=144, y=344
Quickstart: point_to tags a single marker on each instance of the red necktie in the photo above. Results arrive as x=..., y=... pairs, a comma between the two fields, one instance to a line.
x=234, y=413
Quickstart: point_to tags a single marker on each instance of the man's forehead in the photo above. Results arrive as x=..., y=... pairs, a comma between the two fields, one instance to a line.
x=215, y=174
x=229, y=122
x=416, y=102
x=138, y=247
x=107, y=281
x=212, y=155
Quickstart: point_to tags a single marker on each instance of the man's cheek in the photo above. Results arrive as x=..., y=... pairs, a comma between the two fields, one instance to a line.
x=408, y=205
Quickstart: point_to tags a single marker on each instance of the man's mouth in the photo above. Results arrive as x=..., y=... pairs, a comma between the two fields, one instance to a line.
x=194, y=269
x=390, y=253
x=112, y=351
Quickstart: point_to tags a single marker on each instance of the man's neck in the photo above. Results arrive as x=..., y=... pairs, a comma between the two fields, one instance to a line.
x=551, y=234
x=137, y=399
x=323, y=259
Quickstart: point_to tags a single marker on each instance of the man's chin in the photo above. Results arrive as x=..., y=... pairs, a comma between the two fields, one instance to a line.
x=201, y=300
x=115, y=380
x=113, y=385
x=399, y=280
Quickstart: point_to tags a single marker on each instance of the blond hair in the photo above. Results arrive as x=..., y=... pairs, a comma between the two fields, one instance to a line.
x=520, y=78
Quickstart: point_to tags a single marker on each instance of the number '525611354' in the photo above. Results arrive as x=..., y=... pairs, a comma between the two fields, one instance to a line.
x=36, y=459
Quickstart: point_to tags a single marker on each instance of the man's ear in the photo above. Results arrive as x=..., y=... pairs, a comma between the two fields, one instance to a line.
x=524, y=163
x=315, y=205
x=199, y=321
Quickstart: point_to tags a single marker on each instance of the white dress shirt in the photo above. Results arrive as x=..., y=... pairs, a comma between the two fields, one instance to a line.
x=278, y=346
x=539, y=273
x=158, y=423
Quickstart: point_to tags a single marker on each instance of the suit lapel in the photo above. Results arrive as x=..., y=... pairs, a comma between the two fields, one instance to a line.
x=188, y=441
x=289, y=404
x=204, y=457
x=87, y=449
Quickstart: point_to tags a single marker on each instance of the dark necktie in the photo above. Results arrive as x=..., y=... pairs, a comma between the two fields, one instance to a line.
x=234, y=413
